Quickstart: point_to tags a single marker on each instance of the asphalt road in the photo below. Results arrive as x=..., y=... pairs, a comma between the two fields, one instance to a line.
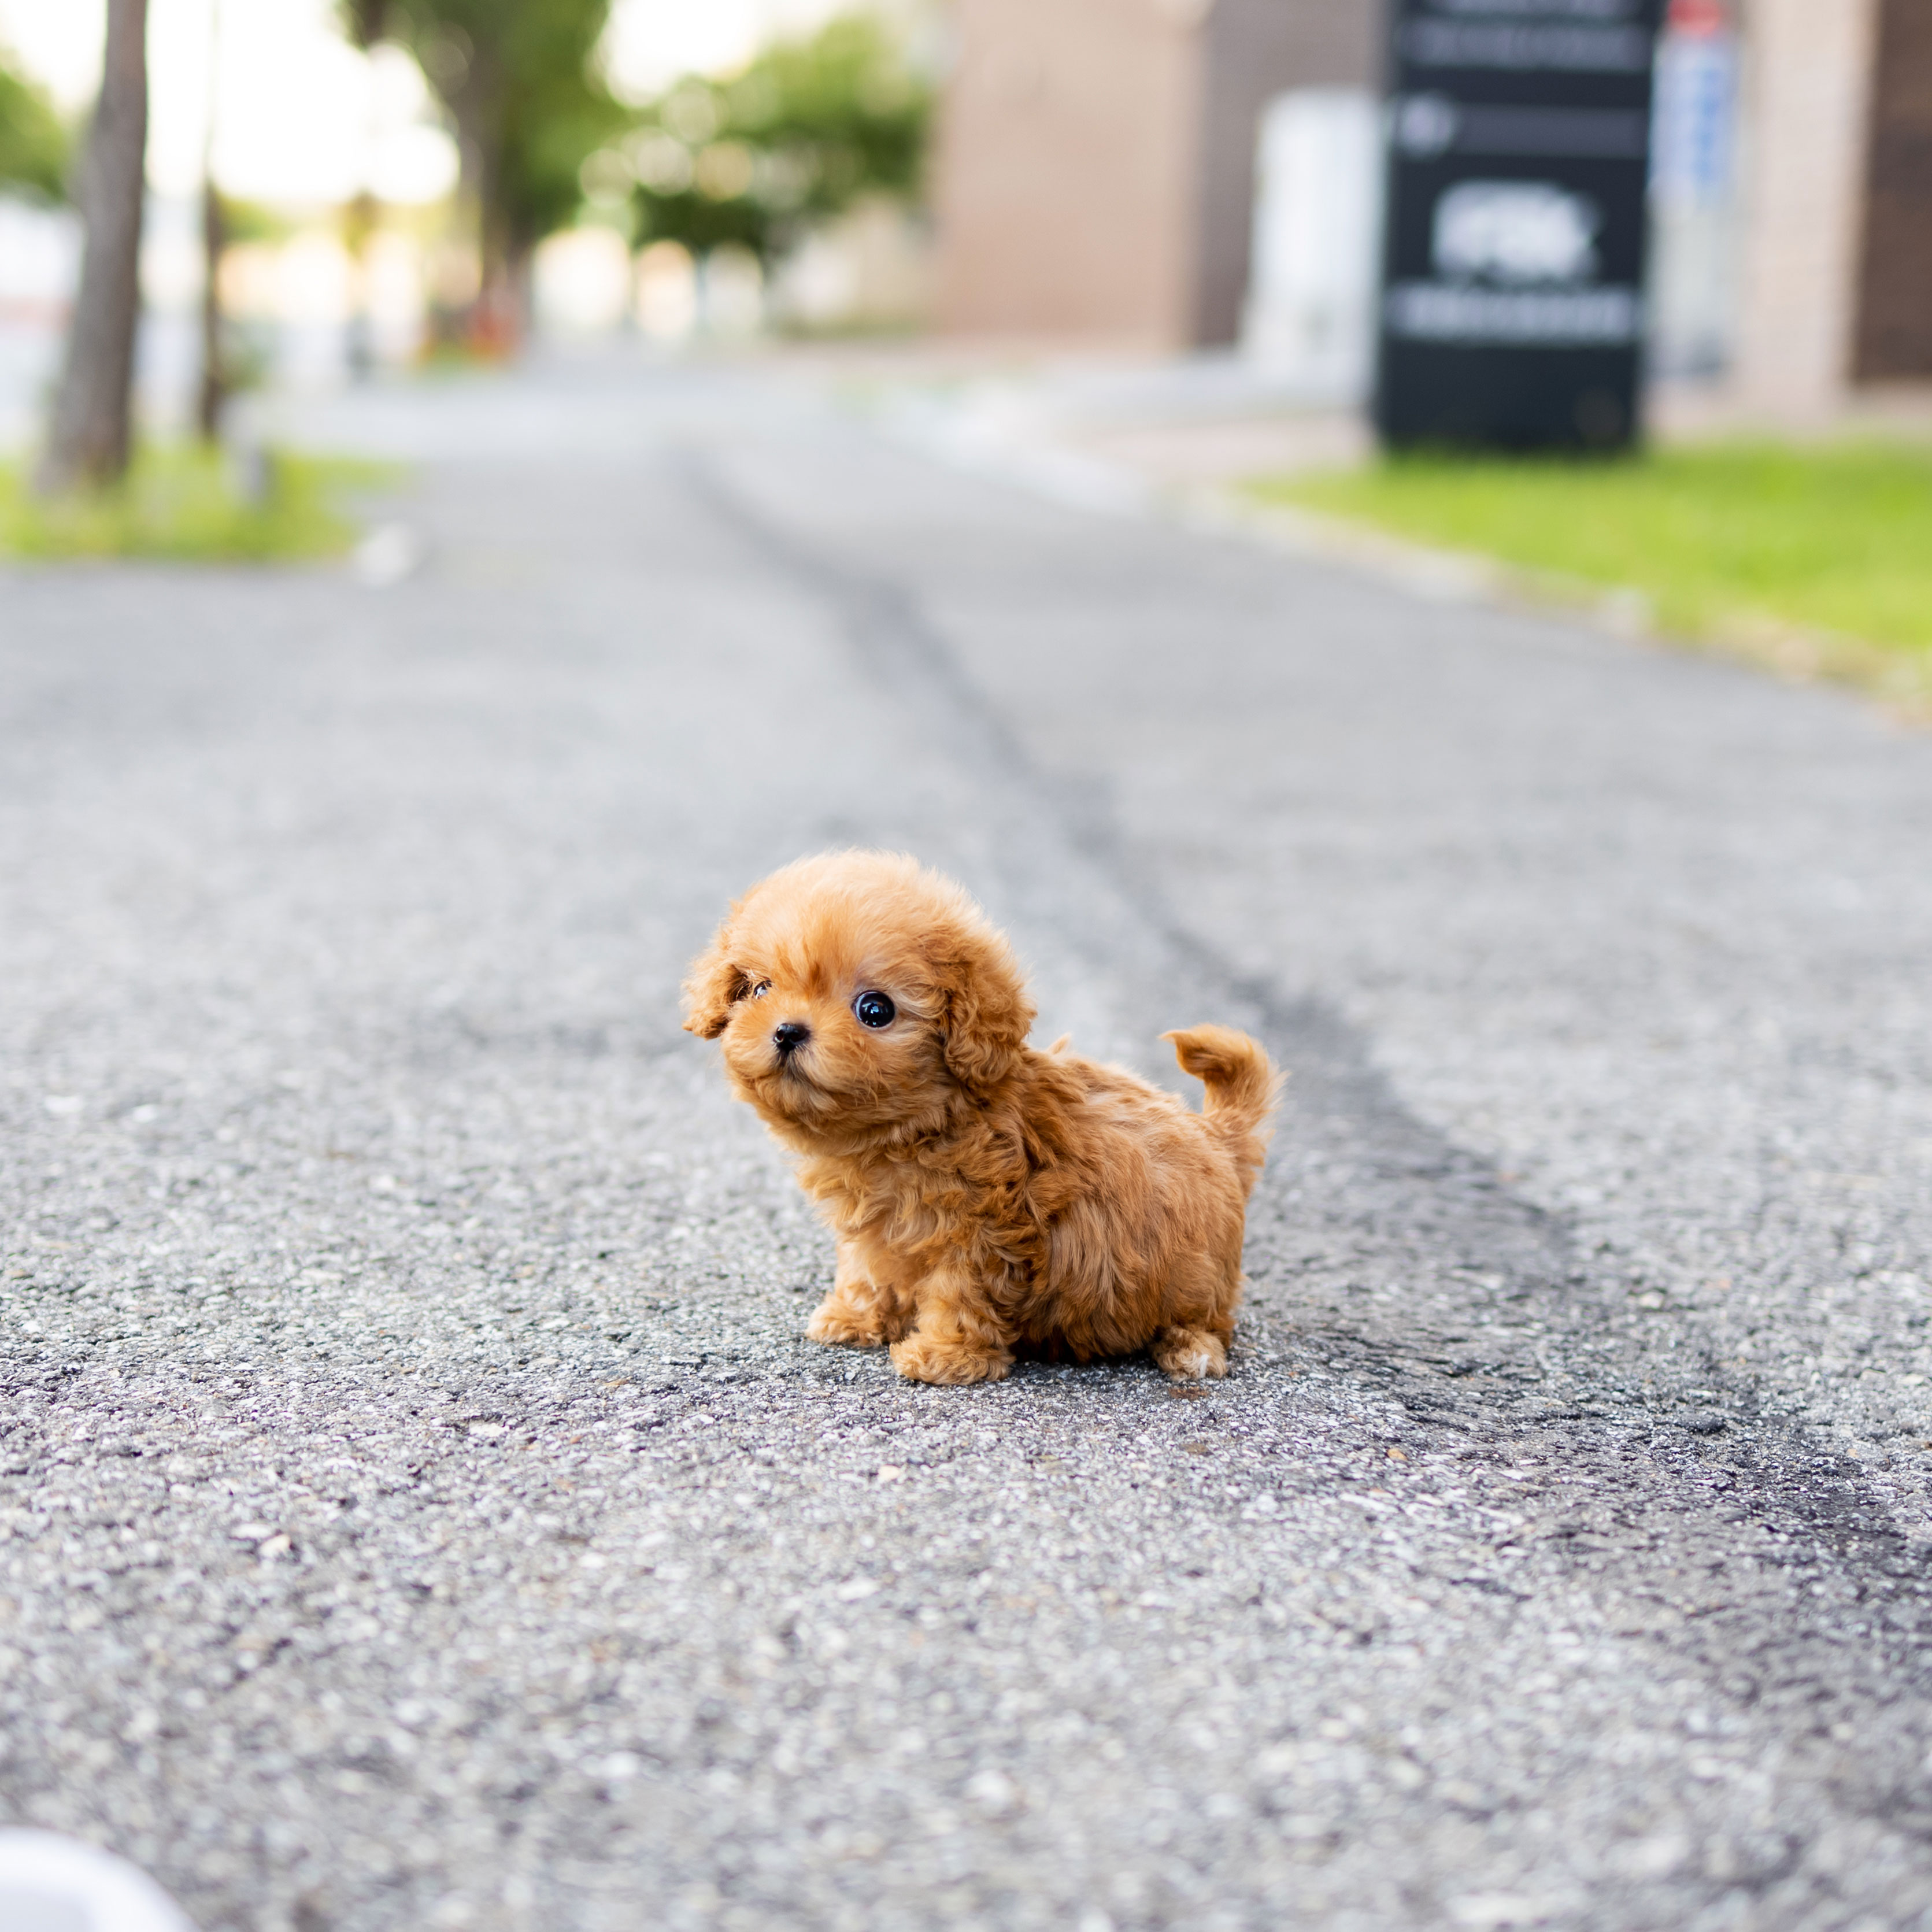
x=417, y=1508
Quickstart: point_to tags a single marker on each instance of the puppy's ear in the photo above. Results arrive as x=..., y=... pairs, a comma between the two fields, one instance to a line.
x=987, y=1014
x=713, y=987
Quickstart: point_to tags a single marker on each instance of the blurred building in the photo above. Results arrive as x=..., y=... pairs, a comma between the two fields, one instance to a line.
x=1183, y=173
x=1097, y=158
x=1834, y=226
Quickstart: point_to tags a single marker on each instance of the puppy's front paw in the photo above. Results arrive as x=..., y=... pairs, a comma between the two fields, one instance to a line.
x=1188, y=1354
x=842, y=1324
x=920, y=1359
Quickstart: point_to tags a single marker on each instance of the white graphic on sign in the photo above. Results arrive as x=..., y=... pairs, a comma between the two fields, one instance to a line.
x=1425, y=124
x=1515, y=233
x=1590, y=318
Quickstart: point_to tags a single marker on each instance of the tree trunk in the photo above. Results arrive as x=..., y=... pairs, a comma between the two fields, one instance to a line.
x=89, y=442
x=214, y=370
x=494, y=329
x=502, y=319
x=213, y=396
x=359, y=231
x=494, y=325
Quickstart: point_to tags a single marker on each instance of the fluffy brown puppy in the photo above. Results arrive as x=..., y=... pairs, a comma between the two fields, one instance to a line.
x=986, y=1197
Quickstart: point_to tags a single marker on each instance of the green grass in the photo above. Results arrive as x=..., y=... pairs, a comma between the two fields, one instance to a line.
x=1817, y=557
x=179, y=502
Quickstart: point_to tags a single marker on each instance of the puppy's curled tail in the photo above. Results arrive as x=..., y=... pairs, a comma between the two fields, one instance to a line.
x=1242, y=1089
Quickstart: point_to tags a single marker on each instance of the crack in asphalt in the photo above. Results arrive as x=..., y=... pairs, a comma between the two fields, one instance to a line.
x=1705, y=1424
x=419, y=1504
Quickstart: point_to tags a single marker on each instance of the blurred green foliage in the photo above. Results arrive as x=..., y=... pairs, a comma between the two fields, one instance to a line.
x=807, y=128
x=180, y=502
x=36, y=146
x=519, y=78
x=243, y=221
x=1754, y=545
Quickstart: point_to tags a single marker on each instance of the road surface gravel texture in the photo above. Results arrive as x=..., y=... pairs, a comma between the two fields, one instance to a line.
x=418, y=1506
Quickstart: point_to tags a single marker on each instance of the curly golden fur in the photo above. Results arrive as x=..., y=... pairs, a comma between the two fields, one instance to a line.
x=988, y=1198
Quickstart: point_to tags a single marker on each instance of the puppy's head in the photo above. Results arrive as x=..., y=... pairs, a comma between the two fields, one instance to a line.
x=859, y=994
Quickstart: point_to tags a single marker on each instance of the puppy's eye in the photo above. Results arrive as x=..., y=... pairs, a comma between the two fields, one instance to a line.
x=759, y=991
x=874, y=1009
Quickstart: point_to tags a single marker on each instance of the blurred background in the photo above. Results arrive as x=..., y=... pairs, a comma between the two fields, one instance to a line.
x=1131, y=177
x=396, y=187
x=1116, y=245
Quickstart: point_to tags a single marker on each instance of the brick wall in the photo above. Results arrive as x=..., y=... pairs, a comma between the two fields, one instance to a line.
x=1808, y=66
x=1066, y=170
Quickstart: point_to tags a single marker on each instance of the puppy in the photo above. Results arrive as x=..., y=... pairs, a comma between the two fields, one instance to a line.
x=987, y=1198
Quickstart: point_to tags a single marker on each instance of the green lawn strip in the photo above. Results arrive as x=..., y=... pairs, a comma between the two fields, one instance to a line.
x=180, y=502
x=1818, y=557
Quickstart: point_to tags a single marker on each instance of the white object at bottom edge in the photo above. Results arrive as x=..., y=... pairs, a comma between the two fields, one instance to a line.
x=49, y=1883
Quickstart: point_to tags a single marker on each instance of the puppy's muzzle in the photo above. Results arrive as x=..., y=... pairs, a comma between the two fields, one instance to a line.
x=788, y=1036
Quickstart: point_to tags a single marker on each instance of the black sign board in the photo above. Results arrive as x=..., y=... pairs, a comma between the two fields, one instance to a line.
x=1512, y=257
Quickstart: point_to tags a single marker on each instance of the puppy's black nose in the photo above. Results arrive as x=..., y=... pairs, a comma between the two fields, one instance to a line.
x=789, y=1037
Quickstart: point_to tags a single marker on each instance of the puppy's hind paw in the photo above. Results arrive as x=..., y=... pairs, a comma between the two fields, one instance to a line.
x=1188, y=1354
x=921, y=1361
x=838, y=1323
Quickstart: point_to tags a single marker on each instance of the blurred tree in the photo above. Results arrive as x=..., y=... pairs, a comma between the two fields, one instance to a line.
x=518, y=78
x=214, y=394
x=89, y=439
x=804, y=131
x=34, y=145
x=225, y=367
x=362, y=20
